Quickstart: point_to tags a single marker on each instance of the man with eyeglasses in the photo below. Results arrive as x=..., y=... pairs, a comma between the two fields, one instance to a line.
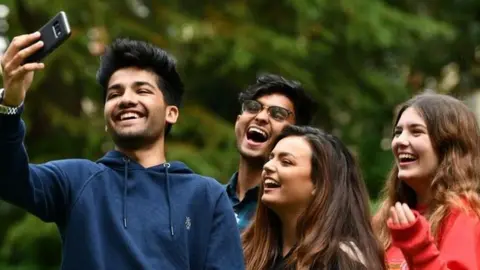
x=267, y=106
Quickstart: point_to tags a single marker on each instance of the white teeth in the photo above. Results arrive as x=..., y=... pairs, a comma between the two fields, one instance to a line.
x=129, y=115
x=271, y=181
x=258, y=130
x=406, y=156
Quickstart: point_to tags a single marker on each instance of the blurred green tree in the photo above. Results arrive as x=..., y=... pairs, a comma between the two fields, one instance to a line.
x=359, y=59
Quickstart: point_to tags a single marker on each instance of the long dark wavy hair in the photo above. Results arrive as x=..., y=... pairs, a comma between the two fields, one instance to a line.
x=337, y=215
x=455, y=137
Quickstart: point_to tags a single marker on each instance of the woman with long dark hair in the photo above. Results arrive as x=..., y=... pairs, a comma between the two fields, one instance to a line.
x=429, y=218
x=314, y=210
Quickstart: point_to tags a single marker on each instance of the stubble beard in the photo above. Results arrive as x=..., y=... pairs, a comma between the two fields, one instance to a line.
x=134, y=140
x=253, y=159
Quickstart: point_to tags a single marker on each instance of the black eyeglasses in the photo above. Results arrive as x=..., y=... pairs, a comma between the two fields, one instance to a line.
x=276, y=112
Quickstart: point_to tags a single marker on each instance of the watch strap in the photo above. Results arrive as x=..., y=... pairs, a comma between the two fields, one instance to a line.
x=7, y=110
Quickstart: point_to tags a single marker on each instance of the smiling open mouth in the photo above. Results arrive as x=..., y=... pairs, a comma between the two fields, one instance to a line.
x=257, y=135
x=404, y=158
x=129, y=116
x=270, y=183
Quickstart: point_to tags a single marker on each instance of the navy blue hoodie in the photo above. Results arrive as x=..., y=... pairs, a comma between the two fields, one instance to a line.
x=116, y=214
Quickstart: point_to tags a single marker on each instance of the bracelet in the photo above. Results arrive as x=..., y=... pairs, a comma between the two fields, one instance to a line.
x=6, y=110
x=11, y=110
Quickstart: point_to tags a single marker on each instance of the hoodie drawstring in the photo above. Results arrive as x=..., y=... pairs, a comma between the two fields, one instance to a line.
x=167, y=187
x=125, y=182
x=167, y=190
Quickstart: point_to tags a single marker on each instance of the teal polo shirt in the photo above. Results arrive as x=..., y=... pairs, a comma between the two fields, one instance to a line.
x=245, y=209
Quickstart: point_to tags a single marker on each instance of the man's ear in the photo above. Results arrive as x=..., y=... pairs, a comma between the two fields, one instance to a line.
x=171, y=114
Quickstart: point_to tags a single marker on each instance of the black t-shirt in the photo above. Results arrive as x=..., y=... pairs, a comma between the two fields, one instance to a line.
x=280, y=264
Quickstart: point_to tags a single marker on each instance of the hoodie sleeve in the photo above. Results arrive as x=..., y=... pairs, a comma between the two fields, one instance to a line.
x=39, y=189
x=225, y=248
x=459, y=247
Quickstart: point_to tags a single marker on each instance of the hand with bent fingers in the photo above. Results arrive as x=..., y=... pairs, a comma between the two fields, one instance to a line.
x=401, y=215
x=17, y=78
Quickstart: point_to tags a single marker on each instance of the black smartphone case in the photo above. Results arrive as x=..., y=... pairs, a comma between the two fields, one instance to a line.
x=53, y=34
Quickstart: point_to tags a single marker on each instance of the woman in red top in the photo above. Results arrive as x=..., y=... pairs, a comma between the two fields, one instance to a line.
x=429, y=218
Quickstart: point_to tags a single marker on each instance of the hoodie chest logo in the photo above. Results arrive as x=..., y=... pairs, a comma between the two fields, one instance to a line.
x=188, y=223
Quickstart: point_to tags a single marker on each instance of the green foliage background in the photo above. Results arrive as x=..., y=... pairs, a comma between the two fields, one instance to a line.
x=359, y=59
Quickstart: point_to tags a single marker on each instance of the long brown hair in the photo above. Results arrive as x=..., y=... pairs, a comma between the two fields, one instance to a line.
x=338, y=214
x=455, y=137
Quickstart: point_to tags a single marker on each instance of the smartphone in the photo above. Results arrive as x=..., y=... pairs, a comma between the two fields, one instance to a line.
x=53, y=34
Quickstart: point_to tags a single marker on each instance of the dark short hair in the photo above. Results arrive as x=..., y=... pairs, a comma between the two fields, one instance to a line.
x=124, y=53
x=267, y=84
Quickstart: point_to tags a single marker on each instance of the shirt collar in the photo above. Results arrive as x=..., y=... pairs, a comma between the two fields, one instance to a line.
x=232, y=185
x=232, y=188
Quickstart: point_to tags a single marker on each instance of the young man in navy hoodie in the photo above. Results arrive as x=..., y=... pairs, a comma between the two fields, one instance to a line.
x=131, y=209
x=267, y=106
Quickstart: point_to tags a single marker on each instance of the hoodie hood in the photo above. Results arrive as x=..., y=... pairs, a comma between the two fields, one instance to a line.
x=116, y=160
x=121, y=162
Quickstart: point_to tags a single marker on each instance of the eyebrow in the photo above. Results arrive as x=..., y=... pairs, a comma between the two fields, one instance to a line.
x=285, y=154
x=135, y=84
x=142, y=83
x=412, y=126
x=271, y=105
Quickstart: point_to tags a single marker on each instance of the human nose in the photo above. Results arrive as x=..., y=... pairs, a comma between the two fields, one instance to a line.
x=269, y=167
x=262, y=116
x=401, y=139
x=128, y=99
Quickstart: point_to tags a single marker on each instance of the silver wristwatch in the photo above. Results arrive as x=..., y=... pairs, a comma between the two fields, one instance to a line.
x=6, y=109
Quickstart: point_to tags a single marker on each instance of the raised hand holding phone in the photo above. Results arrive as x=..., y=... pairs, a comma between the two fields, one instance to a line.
x=17, y=78
x=25, y=55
